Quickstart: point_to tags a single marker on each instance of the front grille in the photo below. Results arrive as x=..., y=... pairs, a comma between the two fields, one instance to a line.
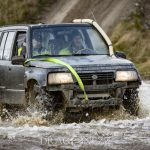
x=97, y=78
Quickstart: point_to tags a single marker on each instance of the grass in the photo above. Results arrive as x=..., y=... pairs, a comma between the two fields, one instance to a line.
x=130, y=37
x=22, y=11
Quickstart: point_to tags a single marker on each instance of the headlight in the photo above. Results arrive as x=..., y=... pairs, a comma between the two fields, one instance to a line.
x=60, y=78
x=126, y=76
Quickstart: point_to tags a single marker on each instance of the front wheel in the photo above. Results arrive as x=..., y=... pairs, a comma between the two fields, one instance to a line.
x=131, y=101
x=41, y=101
x=44, y=104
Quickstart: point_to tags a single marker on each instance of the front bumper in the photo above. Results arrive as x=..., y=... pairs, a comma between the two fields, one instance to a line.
x=77, y=103
x=99, y=95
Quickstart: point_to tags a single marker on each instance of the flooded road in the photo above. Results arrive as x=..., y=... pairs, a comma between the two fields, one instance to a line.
x=106, y=133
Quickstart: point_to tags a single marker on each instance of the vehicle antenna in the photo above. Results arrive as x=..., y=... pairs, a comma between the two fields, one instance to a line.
x=92, y=13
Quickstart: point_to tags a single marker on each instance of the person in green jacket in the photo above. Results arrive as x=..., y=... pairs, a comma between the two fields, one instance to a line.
x=75, y=46
x=37, y=48
x=22, y=50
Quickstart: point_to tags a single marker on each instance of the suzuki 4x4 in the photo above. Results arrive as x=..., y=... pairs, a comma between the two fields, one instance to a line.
x=69, y=67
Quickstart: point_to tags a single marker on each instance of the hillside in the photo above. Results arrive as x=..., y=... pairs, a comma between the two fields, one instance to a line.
x=132, y=35
x=106, y=12
x=126, y=21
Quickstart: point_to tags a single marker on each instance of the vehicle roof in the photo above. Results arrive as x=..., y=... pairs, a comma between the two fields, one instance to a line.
x=40, y=25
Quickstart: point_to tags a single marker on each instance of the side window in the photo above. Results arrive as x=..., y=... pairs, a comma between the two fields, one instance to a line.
x=8, y=45
x=2, y=44
x=97, y=41
x=19, y=43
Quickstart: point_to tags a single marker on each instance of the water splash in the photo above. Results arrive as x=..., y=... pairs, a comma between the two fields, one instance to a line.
x=118, y=130
x=36, y=118
x=22, y=120
x=32, y=117
x=144, y=94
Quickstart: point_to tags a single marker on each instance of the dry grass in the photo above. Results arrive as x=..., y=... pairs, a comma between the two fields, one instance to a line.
x=22, y=11
x=134, y=41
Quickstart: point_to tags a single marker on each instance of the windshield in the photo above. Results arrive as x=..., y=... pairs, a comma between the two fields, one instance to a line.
x=67, y=40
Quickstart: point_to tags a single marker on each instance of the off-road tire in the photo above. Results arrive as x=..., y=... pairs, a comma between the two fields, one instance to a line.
x=41, y=102
x=131, y=101
x=44, y=103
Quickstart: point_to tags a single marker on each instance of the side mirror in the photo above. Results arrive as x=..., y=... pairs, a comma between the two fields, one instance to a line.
x=120, y=54
x=18, y=60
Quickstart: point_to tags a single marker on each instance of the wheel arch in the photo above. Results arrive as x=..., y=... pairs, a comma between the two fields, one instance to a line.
x=31, y=82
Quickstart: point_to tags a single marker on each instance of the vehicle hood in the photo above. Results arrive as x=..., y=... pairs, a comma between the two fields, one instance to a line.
x=84, y=62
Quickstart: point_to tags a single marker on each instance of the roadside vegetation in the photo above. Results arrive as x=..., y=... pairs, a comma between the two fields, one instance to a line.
x=22, y=11
x=132, y=37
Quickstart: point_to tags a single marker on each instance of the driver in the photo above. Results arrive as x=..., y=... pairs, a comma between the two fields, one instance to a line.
x=77, y=42
x=75, y=46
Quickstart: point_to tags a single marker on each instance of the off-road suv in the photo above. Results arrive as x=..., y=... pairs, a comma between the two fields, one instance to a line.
x=69, y=66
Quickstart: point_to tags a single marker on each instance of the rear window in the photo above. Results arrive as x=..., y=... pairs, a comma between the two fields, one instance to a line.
x=8, y=45
x=2, y=44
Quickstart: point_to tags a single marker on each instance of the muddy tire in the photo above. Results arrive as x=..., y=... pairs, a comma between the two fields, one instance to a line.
x=44, y=103
x=131, y=101
x=41, y=102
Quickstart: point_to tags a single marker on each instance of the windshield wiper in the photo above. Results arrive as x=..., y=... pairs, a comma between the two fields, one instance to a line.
x=83, y=54
x=80, y=54
x=45, y=55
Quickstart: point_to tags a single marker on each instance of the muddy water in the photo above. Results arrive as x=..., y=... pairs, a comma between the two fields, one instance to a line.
x=117, y=132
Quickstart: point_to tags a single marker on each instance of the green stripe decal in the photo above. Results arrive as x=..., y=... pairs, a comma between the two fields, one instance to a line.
x=70, y=68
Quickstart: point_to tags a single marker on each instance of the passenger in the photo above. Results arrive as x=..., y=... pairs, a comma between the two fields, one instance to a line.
x=37, y=48
x=63, y=48
x=22, y=50
x=55, y=45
